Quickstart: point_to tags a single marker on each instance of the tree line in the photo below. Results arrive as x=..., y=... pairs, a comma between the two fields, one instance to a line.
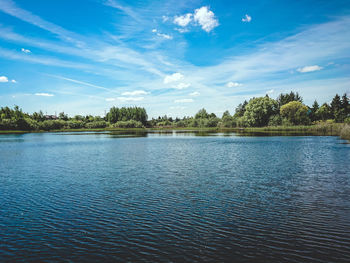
x=287, y=110
x=125, y=117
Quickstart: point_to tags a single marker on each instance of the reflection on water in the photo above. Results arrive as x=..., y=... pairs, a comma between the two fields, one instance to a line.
x=181, y=196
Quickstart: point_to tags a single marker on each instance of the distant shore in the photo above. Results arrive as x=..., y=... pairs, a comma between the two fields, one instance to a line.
x=326, y=129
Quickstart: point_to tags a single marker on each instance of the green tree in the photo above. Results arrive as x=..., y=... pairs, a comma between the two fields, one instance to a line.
x=283, y=99
x=345, y=105
x=240, y=110
x=202, y=114
x=63, y=116
x=295, y=112
x=312, y=113
x=324, y=112
x=336, y=106
x=259, y=110
x=226, y=114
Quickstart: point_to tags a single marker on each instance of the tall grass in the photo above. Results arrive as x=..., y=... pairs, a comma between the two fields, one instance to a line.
x=345, y=132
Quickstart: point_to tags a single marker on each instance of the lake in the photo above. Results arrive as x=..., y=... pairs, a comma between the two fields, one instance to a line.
x=174, y=197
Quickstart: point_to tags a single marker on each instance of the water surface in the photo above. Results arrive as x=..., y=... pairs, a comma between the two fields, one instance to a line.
x=174, y=197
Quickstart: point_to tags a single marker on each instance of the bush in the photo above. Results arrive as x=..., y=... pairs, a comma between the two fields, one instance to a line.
x=74, y=124
x=128, y=124
x=51, y=125
x=96, y=124
x=180, y=124
x=8, y=124
x=25, y=124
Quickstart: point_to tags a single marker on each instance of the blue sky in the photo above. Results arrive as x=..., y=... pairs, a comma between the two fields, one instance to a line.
x=171, y=57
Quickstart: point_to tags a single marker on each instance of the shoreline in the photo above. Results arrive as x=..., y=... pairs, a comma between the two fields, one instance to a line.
x=336, y=129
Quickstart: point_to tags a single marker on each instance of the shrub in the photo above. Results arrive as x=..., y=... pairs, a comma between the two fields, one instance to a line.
x=51, y=125
x=96, y=124
x=128, y=124
x=74, y=124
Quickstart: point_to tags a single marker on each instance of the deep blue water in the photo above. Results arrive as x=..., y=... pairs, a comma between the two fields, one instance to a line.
x=174, y=198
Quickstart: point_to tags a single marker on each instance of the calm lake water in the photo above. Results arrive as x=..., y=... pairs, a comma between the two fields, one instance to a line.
x=174, y=197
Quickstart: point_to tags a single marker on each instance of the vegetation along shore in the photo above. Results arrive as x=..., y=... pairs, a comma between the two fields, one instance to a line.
x=286, y=113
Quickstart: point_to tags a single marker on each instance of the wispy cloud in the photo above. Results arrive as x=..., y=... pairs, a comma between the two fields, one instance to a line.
x=9, y=7
x=135, y=93
x=44, y=60
x=181, y=85
x=194, y=94
x=233, y=84
x=127, y=10
x=183, y=101
x=129, y=99
x=83, y=83
x=44, y=94
x=247, y=18
x=309, y=69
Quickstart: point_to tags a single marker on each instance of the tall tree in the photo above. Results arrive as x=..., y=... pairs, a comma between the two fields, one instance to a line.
x=345, y=105
x=201, y=114
x=240, y=110
x=259, y=110
x=313, y=110
x=283, y=99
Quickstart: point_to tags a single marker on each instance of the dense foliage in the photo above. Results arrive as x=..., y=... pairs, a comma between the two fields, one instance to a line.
x=288, y=109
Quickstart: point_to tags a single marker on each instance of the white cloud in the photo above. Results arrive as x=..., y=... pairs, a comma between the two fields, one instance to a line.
x=309, y=69
x=166, y=36
x=183, y=101
x=126, y=99
x=4, y=79
x=270, y=91
x=44, y=94
x=135, y=93
x=26, y=50
x=247, y=18
x=181, y=85
x=182, y=30
x=110, y=99
x=194, y=94
x=13, y=81
x=173, y=77
x=205, y=18
x=233, y=84
x=183, y=20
